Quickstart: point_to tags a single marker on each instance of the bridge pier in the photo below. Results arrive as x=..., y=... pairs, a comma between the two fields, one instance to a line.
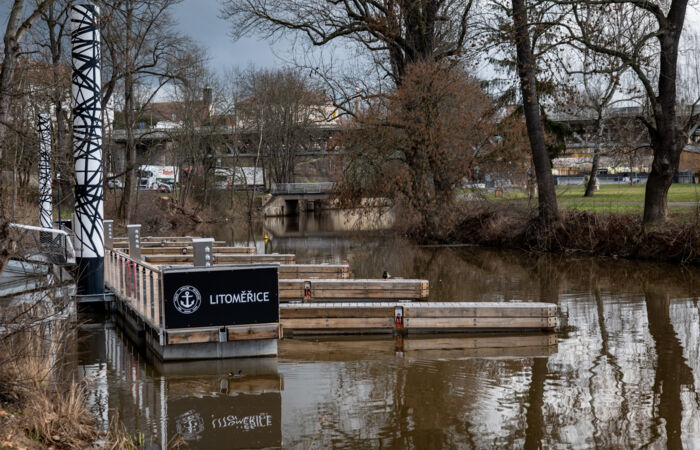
x=291, y=198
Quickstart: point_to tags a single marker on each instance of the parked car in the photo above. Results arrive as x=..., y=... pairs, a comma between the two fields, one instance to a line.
x=115, y=184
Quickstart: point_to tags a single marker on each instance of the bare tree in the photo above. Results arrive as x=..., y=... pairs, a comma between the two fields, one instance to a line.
x=402, y=32
x=527, y=71
x=139, y=42
x=416, y=146
x=14, y=33
x=597, y=87
x=648, y=42
x=290, y=108
x=51, y=37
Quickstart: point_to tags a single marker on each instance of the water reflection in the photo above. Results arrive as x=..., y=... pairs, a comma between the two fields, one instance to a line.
x=624, y=371
x=211, y=405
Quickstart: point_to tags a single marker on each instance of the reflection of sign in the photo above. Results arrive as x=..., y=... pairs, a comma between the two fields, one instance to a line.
x=224, y=422
x=216, y=296
x=189, y=425
x=187, y=299
x=246, y=423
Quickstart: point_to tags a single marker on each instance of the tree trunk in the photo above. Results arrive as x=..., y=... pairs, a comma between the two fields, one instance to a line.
x=130, y=180
x=7, y=70
x=7, y=74
x=64, y=154
x=663, y=168
x=590, y=188
x=665, y=135
x=667, y=153
x=547, y=197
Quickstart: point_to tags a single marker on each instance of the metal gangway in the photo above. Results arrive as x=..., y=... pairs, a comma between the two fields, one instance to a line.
x=39, y=244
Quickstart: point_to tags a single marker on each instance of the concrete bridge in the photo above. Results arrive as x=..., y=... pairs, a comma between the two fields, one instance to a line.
x=287, y=199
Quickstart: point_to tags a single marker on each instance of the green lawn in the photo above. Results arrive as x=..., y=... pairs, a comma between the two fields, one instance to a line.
x=615, y=199
x=628, y=193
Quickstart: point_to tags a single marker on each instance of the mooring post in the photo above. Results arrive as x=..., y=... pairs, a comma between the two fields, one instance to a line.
x=109, y=233
x=87, y=148
x=202, y=249
x=134, y=232
x=45, y=200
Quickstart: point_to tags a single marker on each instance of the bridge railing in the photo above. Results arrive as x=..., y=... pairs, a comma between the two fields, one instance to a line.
x=302, y=188
x=136, y=282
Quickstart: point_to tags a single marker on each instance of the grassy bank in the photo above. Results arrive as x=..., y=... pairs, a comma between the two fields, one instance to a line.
x=513, y=225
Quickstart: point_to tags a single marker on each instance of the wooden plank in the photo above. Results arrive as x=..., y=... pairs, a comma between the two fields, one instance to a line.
x=349, y=288
x=193, y=336
x=250, y=332
x=252, y=259
x=480, y=322
x=386, y=294
x=338, y=324
x=313, y=271
x=411, y=311
x=223, y=258
x=289, y=311
x=156, y=238
x=142, y=261
x=158, y=299
x=169, y=244
x=363, y=283
x=163, y=259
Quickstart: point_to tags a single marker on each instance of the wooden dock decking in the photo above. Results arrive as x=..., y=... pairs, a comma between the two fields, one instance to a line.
x=420, y=317
x=119, y=243
x=222, y=258
x=320, y=271
x=305, y=271
x=188, y=250
x=329, y=289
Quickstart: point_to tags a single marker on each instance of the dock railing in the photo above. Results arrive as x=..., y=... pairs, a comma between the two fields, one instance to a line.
x=136, y=282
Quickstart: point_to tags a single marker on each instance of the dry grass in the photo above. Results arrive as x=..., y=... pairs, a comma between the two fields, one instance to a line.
x=58, y=417
x=582, y=233
x=119, y=438
x=51, y=410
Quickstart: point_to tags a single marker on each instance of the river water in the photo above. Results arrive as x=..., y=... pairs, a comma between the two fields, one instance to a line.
x=622, y=371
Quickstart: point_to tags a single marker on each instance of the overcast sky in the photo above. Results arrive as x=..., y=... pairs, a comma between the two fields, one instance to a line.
x=199, y=19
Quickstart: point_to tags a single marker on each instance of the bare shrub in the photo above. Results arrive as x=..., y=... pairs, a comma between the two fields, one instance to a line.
x=418, y=145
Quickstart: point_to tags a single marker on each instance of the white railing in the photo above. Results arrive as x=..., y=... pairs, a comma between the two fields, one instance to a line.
x=50, y=242
x=302, y=188
x=138, y=283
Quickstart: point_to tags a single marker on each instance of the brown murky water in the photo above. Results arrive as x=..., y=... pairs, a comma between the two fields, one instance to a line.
x=624, y=370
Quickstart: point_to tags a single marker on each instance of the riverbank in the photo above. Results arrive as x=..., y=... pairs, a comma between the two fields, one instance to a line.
x=513, y=225
x=160, y=214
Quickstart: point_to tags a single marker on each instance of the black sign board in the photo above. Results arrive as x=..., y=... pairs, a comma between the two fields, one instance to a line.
x=216, y=296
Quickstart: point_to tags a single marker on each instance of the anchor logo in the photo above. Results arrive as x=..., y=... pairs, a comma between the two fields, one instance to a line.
x=190, y=425
x=187, y=299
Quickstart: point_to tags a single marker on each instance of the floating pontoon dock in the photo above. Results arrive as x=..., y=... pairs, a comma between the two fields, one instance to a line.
x=160, y=286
